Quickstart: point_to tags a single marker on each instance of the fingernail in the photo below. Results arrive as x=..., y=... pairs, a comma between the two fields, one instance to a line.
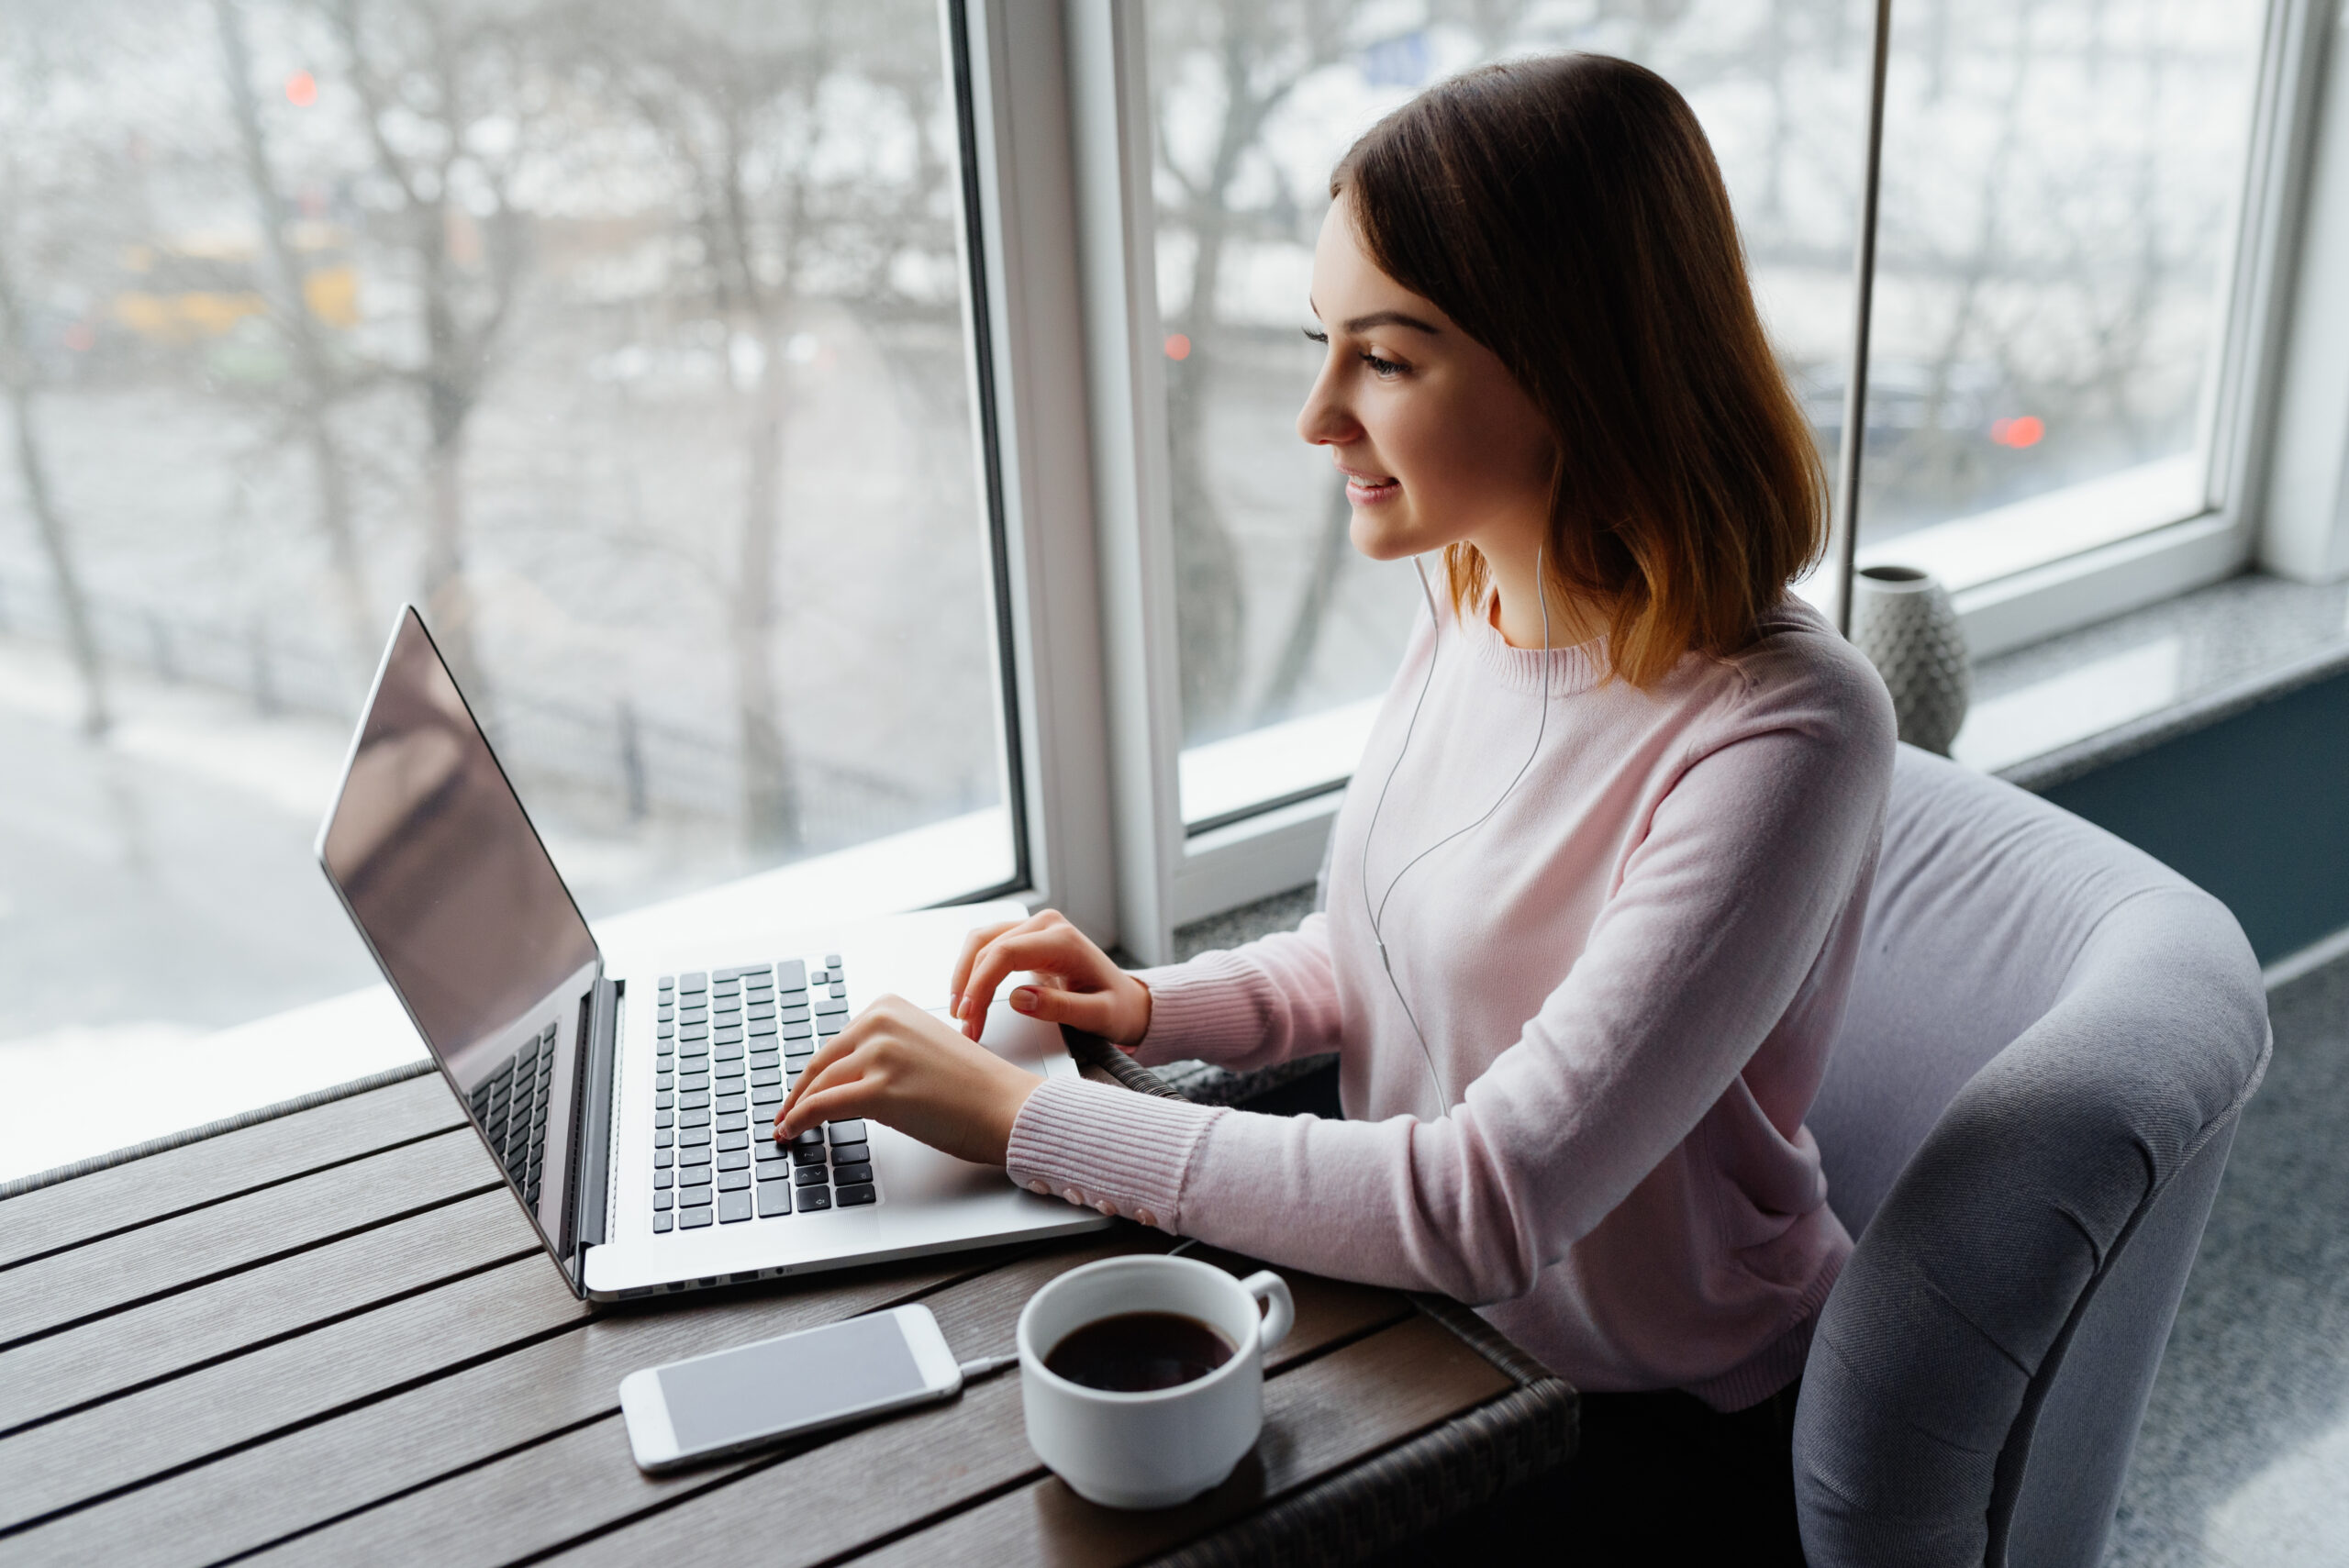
x=1023, y=998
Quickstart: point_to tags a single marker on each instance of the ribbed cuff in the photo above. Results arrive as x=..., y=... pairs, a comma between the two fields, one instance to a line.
x=1781, y=1361
x=1108, y=1149
x=1204, y=1009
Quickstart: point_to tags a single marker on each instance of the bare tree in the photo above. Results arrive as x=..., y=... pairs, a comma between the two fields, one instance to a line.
x=441, y=89
x=1260, y=54
x=734, y=95
x=319, y=384
x=22, y=378
x=20, y=372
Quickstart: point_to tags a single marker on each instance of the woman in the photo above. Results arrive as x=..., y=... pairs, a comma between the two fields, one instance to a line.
x=1594, y=903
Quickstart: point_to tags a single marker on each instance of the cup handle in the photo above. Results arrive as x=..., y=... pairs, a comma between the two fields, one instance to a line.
x=1271, y=1292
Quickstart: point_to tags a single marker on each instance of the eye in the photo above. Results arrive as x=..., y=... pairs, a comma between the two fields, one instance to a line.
x=1383, y=369
x=1315, y=335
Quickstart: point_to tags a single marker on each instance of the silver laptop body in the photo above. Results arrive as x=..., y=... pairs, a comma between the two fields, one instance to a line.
x=631, y=1113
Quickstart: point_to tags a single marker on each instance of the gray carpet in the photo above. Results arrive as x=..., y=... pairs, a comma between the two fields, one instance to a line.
x=2244, y=1462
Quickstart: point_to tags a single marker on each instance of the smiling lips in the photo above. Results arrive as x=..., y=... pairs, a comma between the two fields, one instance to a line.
x=1363, y=489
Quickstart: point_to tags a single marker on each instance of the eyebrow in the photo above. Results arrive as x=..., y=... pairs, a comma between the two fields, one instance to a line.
x=1386, y=318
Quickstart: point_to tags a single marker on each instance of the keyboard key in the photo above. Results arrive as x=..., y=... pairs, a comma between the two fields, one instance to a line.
x=696, y=981
x=769, y=1151
x=762, y=1076
x=763, y=1028
x=774, y=1197
x=733, y=1103
x=802, y=1156
x=690, y=1118
x=733, y=1181
x=766, y=1097
x=802, y=1032
x=811, y=1139
x=840, y=991
x=832, y=962
x=733, y=1140
x=726, y=1050
x=693, y=1156
x=732, y=1121
x=668, y=983
x=693, y=1082
x=734, y=1160
x=791, y=975
x=848, y=1174
x=844, y=1131
x=664, y=1198
x=812, y=1198
x=695, y=1176
x=663, y=1139
x=851, y=1153
x=662, y=1224
x=693, y=1219
x=663, y=1159
x=693, y=1138
x=853, y=1193
x=732, y=1206
x=756, y=1010
x=791, y=1013
x=663, y=1100
x=807, y=1175
x=666, y=1177
x=830, y=1006
x=664, y=1082
x=698, y=1099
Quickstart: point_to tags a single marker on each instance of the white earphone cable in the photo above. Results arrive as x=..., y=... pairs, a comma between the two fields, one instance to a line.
x=1377, y=913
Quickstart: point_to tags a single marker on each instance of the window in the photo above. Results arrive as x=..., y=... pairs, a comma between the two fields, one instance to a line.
x=2060, y=202
x=629, y=341
x=1287, y=637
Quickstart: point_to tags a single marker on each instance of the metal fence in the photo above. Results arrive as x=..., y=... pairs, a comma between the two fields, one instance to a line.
x=605, y=768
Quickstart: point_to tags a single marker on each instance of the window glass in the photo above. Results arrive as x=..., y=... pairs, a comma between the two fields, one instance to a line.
x=1287, y=637
x=2061, y=179
x=626, y=339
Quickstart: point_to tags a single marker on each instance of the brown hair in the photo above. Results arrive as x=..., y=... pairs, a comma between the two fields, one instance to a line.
x=1567, y=213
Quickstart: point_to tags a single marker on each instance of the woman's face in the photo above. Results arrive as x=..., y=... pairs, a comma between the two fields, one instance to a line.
x=1438, y=442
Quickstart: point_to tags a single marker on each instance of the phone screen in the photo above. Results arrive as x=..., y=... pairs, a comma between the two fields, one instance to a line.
x=795, y=1381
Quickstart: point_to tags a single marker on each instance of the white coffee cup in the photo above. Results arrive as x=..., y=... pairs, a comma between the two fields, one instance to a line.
x=1164, y=1446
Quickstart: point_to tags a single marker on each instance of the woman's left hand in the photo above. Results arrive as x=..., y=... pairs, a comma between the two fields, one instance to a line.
x=905, y=1068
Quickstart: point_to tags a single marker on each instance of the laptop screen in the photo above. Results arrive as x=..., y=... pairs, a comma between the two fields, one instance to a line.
x=438, y=866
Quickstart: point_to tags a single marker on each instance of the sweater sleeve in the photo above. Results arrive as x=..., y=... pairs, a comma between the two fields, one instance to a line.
x=1275, y=998
x=1725, y=908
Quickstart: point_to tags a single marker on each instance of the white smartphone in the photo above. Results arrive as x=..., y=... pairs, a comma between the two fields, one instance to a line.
x=738, y=1399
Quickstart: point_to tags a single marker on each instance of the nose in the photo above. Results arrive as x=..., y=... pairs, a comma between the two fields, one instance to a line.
x=1326, y=420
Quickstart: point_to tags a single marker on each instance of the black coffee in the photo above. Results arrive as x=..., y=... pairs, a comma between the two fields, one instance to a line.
x=1137, y=1352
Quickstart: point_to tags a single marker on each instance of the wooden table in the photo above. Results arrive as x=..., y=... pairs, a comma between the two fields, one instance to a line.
x=330, y=1337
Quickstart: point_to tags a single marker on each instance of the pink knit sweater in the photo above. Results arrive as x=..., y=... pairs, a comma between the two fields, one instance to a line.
x=1629, y=977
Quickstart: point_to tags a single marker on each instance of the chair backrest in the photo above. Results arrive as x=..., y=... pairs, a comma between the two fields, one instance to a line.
x=2049, y=1039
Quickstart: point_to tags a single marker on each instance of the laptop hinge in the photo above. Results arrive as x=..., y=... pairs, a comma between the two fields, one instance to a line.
x=601, y=1024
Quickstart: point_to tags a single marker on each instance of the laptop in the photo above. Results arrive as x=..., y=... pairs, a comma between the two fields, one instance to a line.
x=632, y=1112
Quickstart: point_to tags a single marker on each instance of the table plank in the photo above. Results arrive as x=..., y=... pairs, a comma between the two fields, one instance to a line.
x=134, y=1438
x=361, y=1456
x=105, y=1203
x=179, y=1333
x=74, y=1286
x=813, y=1506
x=1318, y=1419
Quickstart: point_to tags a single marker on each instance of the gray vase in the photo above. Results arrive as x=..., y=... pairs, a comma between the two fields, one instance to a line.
x=1903, y=620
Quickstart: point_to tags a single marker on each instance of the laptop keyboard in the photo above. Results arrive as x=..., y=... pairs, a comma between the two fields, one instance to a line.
x=731, y=1041
x=511, y=1109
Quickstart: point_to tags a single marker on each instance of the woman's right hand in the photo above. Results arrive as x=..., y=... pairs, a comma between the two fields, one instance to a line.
x=1076, y=983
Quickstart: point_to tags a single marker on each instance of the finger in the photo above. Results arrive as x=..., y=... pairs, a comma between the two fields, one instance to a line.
x=813, y=1084
x=1092, y=1011
x=1058, y=951
x=847, y=1102
x=1036, y=925
x=980, y=936
x=839, y=1046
